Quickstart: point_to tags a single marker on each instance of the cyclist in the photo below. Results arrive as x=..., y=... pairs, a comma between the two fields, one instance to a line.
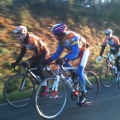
x=77, y=47
x=114, y=44
x=31, y=42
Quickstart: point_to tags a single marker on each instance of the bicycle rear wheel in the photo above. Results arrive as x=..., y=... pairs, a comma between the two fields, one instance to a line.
x=54, y=102
x=118, y=81
x=106, y=80
x=92, y=87
x=14, y=96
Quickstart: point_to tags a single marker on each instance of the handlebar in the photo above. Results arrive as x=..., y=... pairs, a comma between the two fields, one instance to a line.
x=20, y=64
x=45, y=66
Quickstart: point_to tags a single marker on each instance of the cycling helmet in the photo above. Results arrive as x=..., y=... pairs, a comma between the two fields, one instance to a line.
x=20, y=30
x=59, y=28
x=108, y=31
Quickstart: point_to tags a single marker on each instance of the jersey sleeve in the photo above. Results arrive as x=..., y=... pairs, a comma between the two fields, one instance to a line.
x=74, y=53
x=57, y=53
x=22, y=53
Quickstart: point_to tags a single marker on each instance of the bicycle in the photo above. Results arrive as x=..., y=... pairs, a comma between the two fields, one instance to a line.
x=20, y=88
x=53, y=104
x=108, y=72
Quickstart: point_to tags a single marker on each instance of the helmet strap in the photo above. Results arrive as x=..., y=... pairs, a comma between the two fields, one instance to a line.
x=61, y=38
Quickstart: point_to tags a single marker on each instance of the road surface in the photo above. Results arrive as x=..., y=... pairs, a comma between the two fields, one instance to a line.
x=107, y=107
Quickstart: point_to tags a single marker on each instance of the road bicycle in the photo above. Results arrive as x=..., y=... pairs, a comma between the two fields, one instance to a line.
x=53, y=104
x=20, y=88
x=108, y=72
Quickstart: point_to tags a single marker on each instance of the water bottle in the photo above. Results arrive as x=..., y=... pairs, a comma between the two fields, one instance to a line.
x=69, y=81
x=112, y=57
x=38, y=77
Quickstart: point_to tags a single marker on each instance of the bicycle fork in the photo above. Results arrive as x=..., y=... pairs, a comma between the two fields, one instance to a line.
x=53, y=92
x=23, y=83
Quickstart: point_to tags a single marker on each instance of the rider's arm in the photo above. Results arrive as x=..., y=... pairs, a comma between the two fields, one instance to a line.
x=102, y=49
x=74, y=54
x=75, y=49
x=116, y=41
x=58, y=52
x=22, y=53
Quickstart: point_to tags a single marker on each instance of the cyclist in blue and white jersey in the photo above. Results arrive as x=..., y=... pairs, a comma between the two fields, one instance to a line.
x=78, y=47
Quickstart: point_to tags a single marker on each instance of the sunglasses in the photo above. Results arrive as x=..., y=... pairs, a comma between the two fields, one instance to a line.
x=107, y=34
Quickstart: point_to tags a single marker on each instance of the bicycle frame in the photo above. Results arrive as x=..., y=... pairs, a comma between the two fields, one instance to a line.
x=110, y=63
x=29, y=70
x=110, y=72
x=59, y=74
x=57, y=94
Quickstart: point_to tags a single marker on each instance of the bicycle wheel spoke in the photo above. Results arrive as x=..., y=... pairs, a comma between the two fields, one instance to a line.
x=106, y=78
x=16, y=97
x=46, y=106
x=92, y=88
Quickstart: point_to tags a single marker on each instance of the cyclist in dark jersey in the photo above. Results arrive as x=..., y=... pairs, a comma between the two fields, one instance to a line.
x=31, y=42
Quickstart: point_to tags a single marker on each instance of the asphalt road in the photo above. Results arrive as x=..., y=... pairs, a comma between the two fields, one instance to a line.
x=107, y=107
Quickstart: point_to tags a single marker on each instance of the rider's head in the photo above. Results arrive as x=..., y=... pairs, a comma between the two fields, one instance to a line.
x=20, y=32
x=59, y=31
x=108, y=33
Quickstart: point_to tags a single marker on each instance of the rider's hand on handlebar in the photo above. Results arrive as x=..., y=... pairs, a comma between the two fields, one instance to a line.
x=59, y=61
x=24, y=64
x=13, y=65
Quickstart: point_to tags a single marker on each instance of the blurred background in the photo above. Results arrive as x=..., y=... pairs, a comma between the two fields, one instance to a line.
x=87, y=17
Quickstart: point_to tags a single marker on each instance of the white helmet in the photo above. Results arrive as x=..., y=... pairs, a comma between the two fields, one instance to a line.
x=108, y=31
x=20, y=29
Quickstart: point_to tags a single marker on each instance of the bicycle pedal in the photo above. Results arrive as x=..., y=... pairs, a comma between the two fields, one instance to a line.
x=116, y=74
x=53, y=94
x=88, y=87
x=74, y=96
x=81, y=105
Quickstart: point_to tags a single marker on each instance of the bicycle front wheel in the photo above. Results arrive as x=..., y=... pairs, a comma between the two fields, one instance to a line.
x=106, y=79
x=14, y=96
x=92, y=87
x=54, y=102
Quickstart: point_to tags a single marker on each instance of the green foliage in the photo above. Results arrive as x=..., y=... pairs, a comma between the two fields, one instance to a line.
x=104, y=17
x=35, y=12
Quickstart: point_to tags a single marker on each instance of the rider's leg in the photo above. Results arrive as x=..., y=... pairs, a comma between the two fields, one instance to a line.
x=83, y=61
x=66, y=64
x=73, y=74
x=34, y=63
x=117, y=63
x=111, y=58
x=41, y=74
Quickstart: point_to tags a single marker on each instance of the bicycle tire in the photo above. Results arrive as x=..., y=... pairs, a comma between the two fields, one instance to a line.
x=92, y=87
x=13, y=96
x=118, y=82
x=106, y=81
x=46, y=106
